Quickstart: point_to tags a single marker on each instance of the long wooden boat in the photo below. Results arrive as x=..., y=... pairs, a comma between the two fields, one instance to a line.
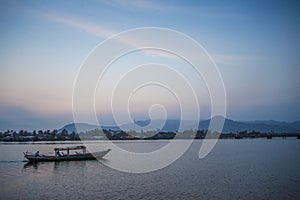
x=66, y=157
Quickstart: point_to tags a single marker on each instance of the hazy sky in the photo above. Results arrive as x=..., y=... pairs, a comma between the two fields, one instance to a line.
x=255, y=45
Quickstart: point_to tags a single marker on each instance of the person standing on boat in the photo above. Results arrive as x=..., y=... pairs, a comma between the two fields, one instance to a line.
x=58, y=154
x=37, y=154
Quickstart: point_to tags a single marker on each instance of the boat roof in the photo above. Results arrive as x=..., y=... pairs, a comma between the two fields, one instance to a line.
x=69, y=148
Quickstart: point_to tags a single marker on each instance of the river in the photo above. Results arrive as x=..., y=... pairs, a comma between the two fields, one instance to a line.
x=234, y=169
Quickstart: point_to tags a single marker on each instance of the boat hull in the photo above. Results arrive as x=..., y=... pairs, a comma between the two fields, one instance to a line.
x=87, y=156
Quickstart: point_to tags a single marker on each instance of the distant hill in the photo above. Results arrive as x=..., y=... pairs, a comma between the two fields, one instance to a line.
x=296, y=125
x=170, y=125
x=78, y=127
x=83, y=127
x=231, y=126
x=173, y=125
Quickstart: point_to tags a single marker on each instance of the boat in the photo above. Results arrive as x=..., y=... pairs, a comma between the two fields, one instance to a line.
x=68, y=156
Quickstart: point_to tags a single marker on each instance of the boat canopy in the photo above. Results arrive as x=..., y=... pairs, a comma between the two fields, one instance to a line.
x=71, y=148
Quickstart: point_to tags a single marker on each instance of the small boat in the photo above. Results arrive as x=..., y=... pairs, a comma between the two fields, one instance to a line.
x=66, y=157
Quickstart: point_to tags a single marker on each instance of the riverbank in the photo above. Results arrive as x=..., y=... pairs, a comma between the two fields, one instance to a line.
x=109, y=135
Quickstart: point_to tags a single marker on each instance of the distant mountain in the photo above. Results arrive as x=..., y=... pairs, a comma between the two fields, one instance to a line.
x=78, y=127
x=269, y=122
x=84, y=127
x=296, y=125
x=231, y=126
x=170, y=125
x=173, y=125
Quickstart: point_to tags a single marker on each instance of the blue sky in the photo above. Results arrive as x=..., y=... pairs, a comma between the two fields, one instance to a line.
x=255, y=45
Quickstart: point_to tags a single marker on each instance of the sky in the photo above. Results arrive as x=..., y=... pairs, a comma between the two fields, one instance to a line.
x=255, y=45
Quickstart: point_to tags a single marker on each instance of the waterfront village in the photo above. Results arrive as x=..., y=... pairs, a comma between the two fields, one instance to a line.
x=97, y=134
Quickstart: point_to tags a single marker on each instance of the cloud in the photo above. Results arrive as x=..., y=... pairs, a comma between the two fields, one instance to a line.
x=230, y=59
x=81, y=25
x=218, y=10
x=105, y=32
x=101, y=32
x=141, y=5
x=160, y=53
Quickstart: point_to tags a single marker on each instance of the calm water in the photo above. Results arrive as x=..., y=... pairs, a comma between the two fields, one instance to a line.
x=235, y=169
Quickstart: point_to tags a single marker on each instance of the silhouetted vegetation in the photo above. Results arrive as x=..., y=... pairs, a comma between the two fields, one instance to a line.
x=47, y=135
x=55, y=135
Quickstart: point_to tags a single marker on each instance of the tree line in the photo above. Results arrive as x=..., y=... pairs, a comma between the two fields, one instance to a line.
x=98, y=134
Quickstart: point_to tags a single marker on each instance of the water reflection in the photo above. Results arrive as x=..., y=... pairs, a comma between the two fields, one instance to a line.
x=62, y=164
x=103, y=161
x=70, y=164
x=34, y=165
